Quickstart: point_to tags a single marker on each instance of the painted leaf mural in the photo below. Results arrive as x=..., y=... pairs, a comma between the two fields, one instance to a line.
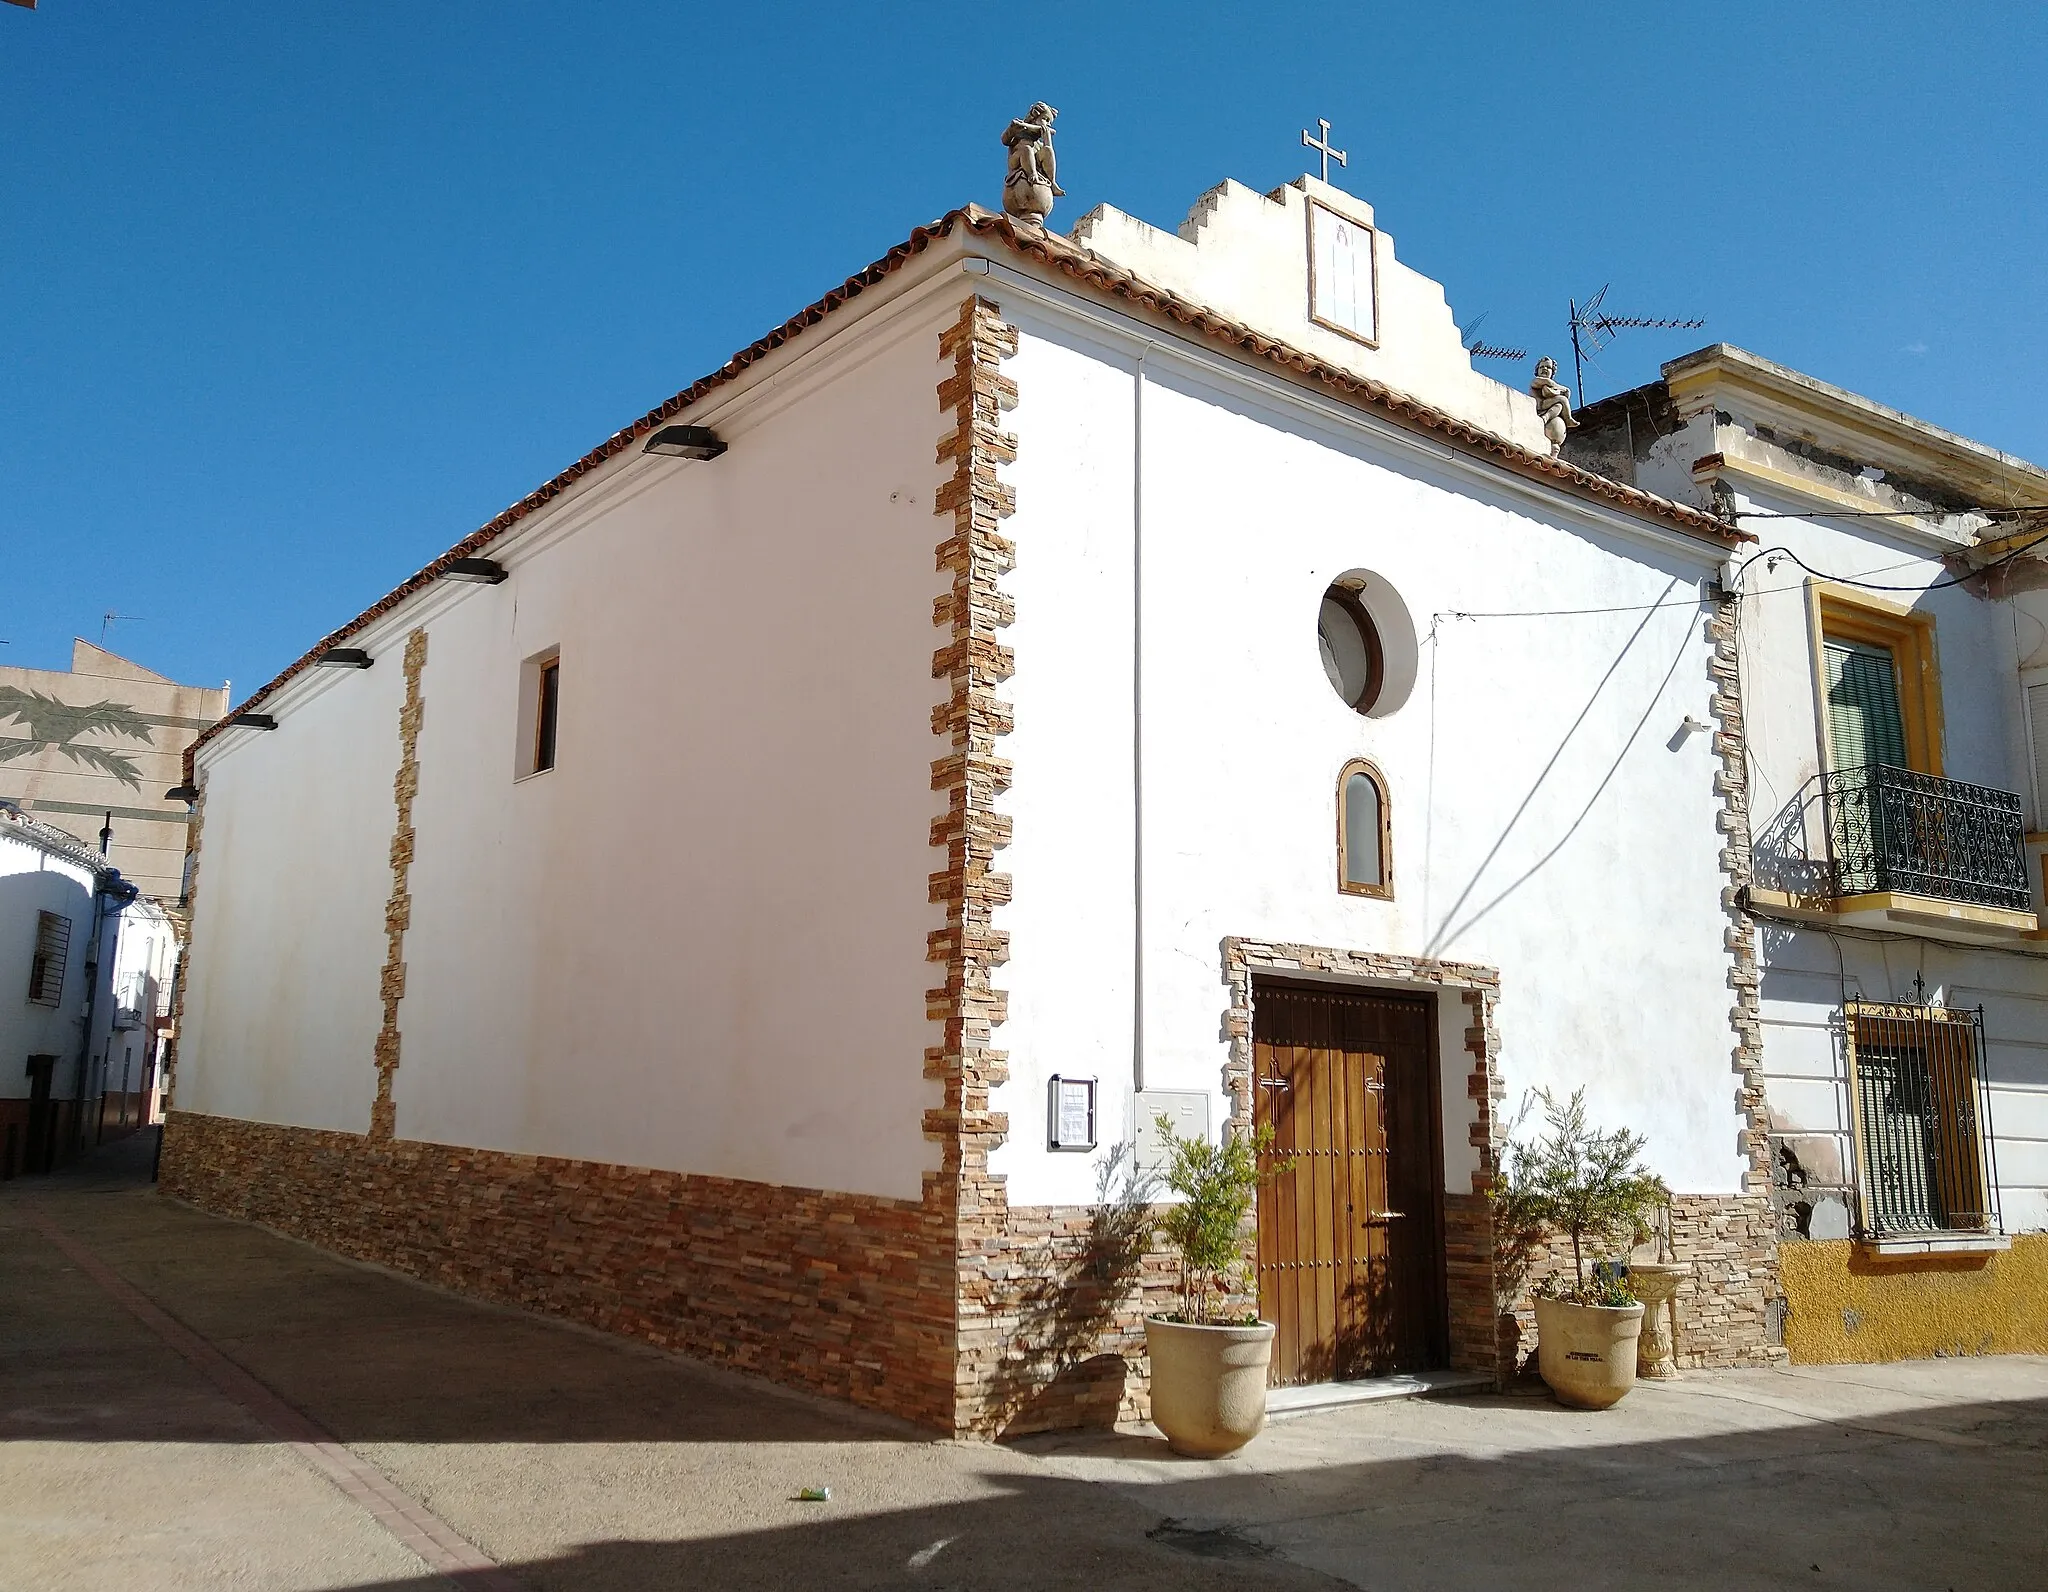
x=58, y=726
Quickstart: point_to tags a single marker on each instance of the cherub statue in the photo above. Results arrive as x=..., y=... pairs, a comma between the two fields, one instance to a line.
x=1033, y=181
x=1553, y=403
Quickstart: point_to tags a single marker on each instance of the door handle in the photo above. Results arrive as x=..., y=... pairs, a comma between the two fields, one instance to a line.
x=1384, y=1216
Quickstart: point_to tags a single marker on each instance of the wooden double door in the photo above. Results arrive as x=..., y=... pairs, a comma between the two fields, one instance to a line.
x=1350, y=1248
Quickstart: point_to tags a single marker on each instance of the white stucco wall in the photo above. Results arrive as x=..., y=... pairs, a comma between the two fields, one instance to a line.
x=699, y=942
x=281, y=1005
x=1541, y=823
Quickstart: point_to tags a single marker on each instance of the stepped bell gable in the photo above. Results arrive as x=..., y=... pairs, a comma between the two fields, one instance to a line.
x=1082, y=680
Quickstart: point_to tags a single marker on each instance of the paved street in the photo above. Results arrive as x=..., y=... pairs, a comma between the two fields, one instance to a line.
x=188, y=1403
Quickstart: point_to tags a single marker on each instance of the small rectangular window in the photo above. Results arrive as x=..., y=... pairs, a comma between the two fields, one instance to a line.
x=546, y=709
x=46, y=968
x=540, y=713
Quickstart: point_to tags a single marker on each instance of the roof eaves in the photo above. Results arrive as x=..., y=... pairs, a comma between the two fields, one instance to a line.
x=52, y=839
x=1092, y=270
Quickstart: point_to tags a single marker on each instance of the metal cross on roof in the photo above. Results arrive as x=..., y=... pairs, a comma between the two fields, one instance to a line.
x=1322, y=145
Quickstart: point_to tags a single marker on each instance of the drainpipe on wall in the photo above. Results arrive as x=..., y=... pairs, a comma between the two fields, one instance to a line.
x=1138, y=723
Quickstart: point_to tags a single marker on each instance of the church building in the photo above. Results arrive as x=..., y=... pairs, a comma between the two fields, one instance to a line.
x=757, y=893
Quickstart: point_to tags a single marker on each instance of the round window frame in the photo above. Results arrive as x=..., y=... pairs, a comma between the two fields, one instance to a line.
x=1354, y=609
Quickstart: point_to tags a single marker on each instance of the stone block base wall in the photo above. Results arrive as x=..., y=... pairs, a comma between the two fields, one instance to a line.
x=1053, y=1321
x=1727, y=1308
x=840, y=1294
x=1844, y=1304
x=1475, y=1335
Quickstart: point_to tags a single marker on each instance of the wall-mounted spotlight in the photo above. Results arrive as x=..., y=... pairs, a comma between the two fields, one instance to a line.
x=484, y=571
x=685, y=442
x=254, y=721
x=346, y=658
x=182, y=793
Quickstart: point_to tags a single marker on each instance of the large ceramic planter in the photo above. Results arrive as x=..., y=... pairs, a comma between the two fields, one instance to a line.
x=1587, y=1353
x=1208, y=1384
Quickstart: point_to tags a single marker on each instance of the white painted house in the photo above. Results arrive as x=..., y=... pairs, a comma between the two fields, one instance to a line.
x=1894, y=654
x=67, y=920
x=692, y=906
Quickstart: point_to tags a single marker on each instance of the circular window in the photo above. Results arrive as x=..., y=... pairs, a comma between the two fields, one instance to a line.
x=1353, y=657
x=1369, y=646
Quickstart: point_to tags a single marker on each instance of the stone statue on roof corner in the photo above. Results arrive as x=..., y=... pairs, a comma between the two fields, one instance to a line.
x=1033, y=181
x=1553, y=403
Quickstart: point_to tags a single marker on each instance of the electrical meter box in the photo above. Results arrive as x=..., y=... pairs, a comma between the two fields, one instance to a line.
x=1187, y=1110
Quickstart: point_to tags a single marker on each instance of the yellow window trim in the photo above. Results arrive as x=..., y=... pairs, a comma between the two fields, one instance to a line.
x=1842, y=613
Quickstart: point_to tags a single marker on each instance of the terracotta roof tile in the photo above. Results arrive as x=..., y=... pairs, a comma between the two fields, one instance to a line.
x=1091, y=270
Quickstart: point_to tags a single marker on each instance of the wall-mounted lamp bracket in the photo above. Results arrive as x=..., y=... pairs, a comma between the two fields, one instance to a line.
x=685, y=442
x=346, y=658
x=484, y=571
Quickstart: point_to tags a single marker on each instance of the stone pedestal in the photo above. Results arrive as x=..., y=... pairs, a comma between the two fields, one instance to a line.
x=1656, y=1284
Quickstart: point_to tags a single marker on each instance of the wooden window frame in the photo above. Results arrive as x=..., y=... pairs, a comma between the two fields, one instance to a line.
x=1375, y=648
x=1384, y=890
x=1840, y=613
x=534, y=674
x=547, y=713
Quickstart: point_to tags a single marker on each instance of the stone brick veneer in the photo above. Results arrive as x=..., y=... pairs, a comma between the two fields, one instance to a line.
x=1725, y=1306
x=405, y=786
x=843, y=1294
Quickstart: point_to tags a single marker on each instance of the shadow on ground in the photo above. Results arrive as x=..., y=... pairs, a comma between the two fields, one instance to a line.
x=371, y=1355
x=1814, y=1505
x=584, y=1462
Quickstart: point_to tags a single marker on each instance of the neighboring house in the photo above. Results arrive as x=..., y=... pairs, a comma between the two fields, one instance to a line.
x=98, y=747
x=694, y=905
x=61, y=910
x=1894, y=654
x=129, y=1071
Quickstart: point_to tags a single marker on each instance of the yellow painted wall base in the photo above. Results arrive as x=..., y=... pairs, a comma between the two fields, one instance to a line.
x=1844, y=1304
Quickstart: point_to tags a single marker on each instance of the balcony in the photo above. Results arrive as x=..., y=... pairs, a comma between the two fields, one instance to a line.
x=1884, y=847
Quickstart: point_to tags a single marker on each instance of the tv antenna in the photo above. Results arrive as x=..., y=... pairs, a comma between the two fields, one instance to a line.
x=112, y=618
x=1593, y=329
x=1478, y=349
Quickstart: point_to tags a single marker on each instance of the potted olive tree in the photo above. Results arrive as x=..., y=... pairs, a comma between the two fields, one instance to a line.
x=1592, y=1187
x=1210, y=1358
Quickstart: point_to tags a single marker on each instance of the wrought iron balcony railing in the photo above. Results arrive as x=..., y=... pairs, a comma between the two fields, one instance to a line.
x=1891, y=830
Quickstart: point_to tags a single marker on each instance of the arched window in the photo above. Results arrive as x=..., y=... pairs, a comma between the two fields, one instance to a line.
x=1365, y=863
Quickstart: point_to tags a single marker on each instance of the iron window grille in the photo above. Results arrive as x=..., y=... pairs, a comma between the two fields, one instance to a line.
x=46, y=967
x=1926, y=1152
x=1891, y=830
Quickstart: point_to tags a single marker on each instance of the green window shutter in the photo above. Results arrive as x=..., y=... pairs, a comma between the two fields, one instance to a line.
x=1864, y=721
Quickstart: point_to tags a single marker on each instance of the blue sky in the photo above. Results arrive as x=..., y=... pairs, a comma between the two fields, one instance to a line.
x=294, y=297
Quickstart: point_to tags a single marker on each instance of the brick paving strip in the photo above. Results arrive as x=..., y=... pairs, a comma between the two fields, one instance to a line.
x=444, y=1549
